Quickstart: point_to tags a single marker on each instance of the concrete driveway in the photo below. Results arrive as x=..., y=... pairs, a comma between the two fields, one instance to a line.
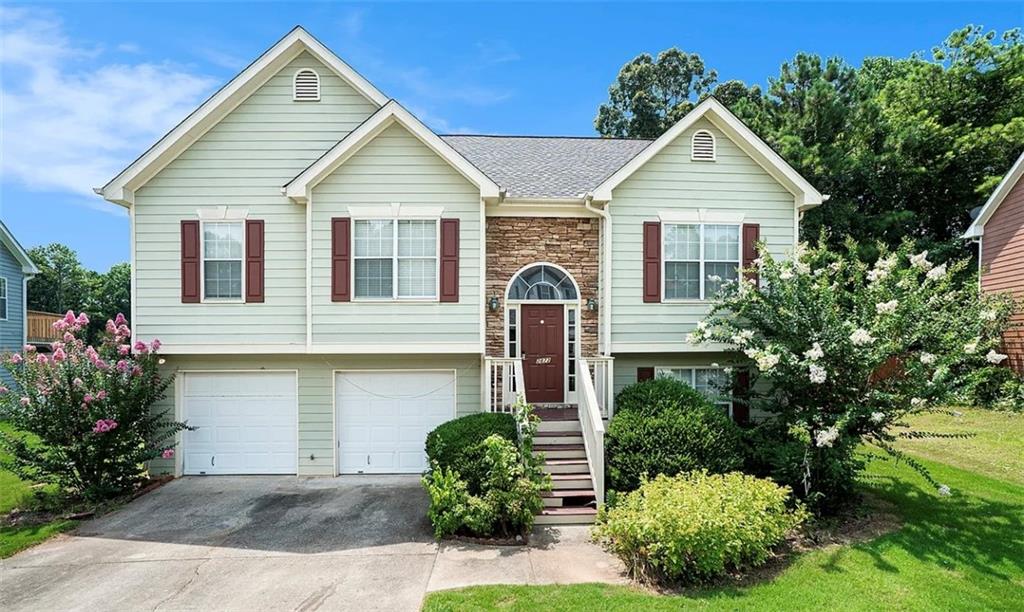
x=279, y=543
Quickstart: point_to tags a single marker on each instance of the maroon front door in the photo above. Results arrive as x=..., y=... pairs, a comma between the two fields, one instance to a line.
x=544, y=352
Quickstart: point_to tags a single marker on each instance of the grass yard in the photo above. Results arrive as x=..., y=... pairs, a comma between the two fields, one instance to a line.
x=16, y=493
x=965, y=551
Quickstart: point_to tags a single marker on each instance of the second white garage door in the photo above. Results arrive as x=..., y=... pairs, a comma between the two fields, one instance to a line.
x=384, y=418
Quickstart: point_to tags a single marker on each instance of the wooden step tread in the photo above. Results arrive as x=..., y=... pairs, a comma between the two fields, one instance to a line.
x=569, y=493
x=544, y=447
x=565, y=462
x=558, y=434
x=580, y=476
x=569, y=511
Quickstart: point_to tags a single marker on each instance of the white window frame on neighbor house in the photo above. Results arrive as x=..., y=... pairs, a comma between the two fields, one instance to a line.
x=570, y=331
x=203, y=259
x=395, y=258
x=702, y=261
x=669, y=371
x=3, y=298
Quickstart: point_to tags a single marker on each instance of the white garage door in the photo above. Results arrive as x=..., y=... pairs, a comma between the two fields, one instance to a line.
x=384, y=418
x=245, y=423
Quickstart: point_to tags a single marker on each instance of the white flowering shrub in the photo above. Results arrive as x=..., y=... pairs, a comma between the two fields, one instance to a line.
x=842, y=351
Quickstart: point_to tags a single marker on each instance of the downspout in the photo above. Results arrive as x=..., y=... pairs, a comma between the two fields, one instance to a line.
x=606, y=268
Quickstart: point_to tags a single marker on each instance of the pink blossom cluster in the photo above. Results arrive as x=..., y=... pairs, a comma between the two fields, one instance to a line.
x=70, y=322
x=168, y=453
x=104, y=425
x=118, y=328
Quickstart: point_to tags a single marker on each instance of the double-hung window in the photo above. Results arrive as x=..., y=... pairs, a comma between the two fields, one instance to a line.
x=223, y=252
x=698, y=259
x=712, y=382
x=395, y=258
x=3, y=299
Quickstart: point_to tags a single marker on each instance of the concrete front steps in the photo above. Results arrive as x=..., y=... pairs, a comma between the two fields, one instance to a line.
x=571, y=500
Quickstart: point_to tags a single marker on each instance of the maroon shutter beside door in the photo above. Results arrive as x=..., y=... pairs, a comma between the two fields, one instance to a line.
x=341, y=282
x=644, y=374
x=190, y=262
x=254, y=260
x=741, y=409
x=449, y=260
x=652, y=261
x=751, y=234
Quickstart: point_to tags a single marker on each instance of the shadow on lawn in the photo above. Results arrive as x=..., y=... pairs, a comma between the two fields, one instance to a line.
x=961, y=531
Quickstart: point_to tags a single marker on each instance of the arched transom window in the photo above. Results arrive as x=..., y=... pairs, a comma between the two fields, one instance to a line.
x=542, y=282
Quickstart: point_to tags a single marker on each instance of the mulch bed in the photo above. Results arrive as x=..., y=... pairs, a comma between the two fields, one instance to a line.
x=79, y=511
x=516, y=541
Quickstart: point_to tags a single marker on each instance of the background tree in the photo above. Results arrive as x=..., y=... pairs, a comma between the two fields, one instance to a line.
x=62, y=283
x=906, y=147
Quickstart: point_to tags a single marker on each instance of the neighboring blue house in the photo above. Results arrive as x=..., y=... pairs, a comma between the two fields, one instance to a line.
x=15, y=269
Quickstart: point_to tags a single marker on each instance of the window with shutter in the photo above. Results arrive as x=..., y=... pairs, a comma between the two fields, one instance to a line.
x=703, y=146
x=306, y=86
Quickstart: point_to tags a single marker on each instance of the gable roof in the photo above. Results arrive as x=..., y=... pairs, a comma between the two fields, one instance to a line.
x=392, y=112
x=9, y=241
x=121, y=188
x=977, y=228
x=716, y=112
x=546, y=166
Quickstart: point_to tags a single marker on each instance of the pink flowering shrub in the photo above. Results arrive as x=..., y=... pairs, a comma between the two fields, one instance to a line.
x=90, y=407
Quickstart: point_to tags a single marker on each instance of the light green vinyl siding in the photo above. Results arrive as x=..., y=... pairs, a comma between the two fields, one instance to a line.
x=395, y=167
x=734, y=183
x=241, y=163
x=316, y=391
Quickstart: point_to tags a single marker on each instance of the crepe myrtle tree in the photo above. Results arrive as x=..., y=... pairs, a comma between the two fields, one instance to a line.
x=843, y=351
x=87, y=411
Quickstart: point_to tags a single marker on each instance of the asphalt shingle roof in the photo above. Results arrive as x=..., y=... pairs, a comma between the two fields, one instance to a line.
x=546, y=166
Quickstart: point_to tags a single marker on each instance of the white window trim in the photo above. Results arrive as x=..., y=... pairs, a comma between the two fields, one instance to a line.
x=658, y=370
x=5, y=298
x=714, y=146
x=202, y=262
x=395, y=257
x=319, y=86
x=702, y=299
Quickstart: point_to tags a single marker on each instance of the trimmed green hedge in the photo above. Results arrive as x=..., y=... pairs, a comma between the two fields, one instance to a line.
x=458, y=444
x=663, y=426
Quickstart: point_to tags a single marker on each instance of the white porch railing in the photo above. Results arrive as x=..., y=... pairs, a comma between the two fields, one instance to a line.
x=592, y=424
x=503, y=383
x=603, y=372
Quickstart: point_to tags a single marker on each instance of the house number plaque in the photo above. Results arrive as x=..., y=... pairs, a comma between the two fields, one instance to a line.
x=543, y=360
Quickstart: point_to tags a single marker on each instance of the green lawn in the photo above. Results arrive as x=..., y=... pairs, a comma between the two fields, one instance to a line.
x=965, y=551
x=16, y=493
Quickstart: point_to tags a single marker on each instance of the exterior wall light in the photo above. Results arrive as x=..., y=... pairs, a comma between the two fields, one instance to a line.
x=591, y=304
x=493, y=303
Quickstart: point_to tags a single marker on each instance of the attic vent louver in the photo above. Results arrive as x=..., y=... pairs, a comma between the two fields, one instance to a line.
x=703, y=146
x=307, y=86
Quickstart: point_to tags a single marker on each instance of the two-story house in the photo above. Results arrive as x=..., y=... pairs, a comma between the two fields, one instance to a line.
x=330, y=279
x=16, y=268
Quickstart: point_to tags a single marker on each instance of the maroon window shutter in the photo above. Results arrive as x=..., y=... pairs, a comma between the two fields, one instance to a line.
x=652, y=261
x=751, y=234
x=190, y=262
x=449, y=260
x=741, y=409
x=341, y=254
x=254, y=257
x=644, y=374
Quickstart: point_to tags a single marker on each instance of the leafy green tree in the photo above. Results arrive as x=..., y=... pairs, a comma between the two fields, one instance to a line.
x=62, y=283
x=650, y=95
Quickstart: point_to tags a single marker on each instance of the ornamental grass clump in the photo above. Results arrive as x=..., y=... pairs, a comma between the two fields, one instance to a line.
x=695, y=527
x=87, y=411
x=842, y=351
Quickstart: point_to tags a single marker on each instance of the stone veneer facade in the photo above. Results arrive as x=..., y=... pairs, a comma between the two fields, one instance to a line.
x=515, y=242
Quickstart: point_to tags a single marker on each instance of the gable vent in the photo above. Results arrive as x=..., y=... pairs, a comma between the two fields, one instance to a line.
x=307, y=86
x=703, y=146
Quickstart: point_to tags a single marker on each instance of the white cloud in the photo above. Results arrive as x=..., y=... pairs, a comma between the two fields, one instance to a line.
x=72, y=121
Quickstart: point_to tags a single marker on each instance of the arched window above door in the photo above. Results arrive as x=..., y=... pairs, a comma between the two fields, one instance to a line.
x=542, y=282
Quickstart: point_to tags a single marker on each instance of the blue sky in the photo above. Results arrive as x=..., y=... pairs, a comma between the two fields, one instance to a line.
x=87, y=87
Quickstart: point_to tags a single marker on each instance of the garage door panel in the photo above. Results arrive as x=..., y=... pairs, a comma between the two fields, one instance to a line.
x=246, y=423
x=384, y=418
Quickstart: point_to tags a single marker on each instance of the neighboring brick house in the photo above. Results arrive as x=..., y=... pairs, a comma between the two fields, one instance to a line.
x=330, y=279
x=999, y=232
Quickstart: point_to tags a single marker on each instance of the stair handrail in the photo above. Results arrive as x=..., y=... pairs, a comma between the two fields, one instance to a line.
x=592, y=426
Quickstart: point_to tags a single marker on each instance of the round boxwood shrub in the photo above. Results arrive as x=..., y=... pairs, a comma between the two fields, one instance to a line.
x=665, y=427
x=693, y=527
x=458, y=444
